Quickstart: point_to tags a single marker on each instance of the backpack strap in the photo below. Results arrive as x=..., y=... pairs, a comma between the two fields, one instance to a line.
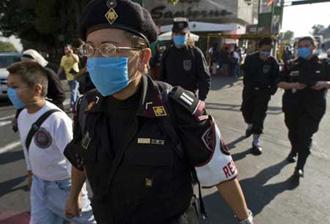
x=36, y=126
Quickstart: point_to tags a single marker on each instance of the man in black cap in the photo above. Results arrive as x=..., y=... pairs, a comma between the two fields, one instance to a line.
x=137, y=159
x=261, y=71
x=183, y=64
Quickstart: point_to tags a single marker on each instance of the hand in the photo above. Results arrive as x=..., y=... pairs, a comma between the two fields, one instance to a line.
x=29, y=179
x=72, y=208
x=14, y=125
x=321, y=85
x=298, y=85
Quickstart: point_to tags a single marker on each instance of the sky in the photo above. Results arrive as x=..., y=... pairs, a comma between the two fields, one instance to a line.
x=301, y=18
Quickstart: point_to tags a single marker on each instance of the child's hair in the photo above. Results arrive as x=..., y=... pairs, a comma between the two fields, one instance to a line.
x=31, y=73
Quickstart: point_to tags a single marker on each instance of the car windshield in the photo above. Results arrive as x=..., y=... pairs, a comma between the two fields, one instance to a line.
x=6, y=60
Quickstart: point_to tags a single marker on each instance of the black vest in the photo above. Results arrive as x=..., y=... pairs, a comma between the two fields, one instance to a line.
x=146, y=182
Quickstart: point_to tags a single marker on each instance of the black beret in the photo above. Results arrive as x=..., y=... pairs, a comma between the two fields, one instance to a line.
x=180, y=24
x=121, y=14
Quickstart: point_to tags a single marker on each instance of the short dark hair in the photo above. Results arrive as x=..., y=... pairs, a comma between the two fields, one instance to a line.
x=265, y=41
x=31, y=73
x=68, y=46
x=307, y=38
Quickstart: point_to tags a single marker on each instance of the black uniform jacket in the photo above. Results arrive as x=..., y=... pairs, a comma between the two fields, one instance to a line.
x=307, y=72
x=260, y=74
x=147, y=179
x=186, y=67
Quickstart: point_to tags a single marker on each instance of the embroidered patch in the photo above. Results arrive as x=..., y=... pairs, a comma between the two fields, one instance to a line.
x=266, y=69
x=209, y=138
x=111, y=16
x=159, y=111
x=42, y=138
x=187, y=65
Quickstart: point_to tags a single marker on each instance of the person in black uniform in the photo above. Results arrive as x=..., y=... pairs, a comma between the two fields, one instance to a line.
x=305, y=80
x=137, y=163
x=183, y=64
x=260, y=74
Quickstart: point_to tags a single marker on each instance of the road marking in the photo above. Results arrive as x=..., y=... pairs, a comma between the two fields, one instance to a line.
x=4, y=123
x=7, y=117
x=10, y=147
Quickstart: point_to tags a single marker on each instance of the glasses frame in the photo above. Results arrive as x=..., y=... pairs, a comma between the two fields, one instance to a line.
x=99, y=49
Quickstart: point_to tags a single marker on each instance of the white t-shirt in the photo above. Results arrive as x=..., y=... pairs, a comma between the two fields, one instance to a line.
x=45, y=157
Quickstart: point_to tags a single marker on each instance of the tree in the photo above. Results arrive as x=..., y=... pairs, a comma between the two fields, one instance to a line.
x=286, y=36
x=317, y=29
x=43, y=25
x=7, y=47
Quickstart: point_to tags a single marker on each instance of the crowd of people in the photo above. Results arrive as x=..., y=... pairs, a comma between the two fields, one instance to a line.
x=143, y=143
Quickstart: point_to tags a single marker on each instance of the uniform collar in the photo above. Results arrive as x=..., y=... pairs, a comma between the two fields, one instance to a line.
x=150, y=106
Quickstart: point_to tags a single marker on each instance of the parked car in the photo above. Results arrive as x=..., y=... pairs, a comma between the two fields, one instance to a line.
x=6, y=59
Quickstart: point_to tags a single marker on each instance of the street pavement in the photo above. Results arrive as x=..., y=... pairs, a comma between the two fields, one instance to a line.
x=270, y=192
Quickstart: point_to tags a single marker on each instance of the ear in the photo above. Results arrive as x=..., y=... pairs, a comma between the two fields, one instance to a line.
x=38, y=90
x=144, y=59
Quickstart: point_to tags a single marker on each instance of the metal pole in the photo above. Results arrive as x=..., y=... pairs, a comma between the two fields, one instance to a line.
x=258, y=17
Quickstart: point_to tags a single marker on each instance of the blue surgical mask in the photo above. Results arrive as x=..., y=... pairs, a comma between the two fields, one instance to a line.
x=17, y=102
x=180, y=40
x=264, y=54
x=304, y=52
x=108, y=74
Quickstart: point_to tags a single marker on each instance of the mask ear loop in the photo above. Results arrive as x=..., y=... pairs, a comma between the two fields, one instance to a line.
x=137, y=74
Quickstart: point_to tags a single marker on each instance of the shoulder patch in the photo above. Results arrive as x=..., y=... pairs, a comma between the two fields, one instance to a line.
x=188, y=100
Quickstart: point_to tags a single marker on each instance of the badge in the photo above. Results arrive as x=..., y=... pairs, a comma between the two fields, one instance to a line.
x=111, y=15
x=148, y=182
x=144, y=140
x=42, y=138
x=187, y=65
x=159, y=111
x=266, y=69
x=209, y=138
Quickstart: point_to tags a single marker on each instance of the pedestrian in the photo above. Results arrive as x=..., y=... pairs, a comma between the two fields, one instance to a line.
x=44, y=132
x=70, y=66
x=83, y=77
x=305, y=81
x=260, y=74
x=55, y=92
x=184, y=64
x=124, y=135
x=214, y=53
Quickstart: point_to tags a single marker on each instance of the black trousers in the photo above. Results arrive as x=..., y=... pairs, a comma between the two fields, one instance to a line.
x=103, y=215
x=254, y=107
x=302, y=121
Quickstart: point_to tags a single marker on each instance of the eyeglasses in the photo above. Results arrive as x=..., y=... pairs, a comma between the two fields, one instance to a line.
x=105, y=49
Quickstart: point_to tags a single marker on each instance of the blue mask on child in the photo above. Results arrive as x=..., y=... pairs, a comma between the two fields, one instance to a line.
x=180, y=40
x=304, y=52
x=12, y=94
x=108, y=74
